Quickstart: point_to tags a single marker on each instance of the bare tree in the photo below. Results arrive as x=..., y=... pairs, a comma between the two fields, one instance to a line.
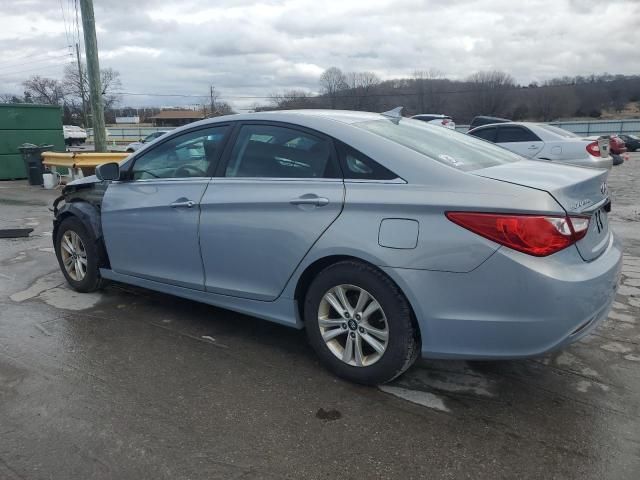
x=332, y=82
x=10, y=98
x=427, y=83
x=291, y=99
x=222, y=108
x=552, y=101
x=75, y=88
x=362, y=86
x=44, y=90
x=489, y=92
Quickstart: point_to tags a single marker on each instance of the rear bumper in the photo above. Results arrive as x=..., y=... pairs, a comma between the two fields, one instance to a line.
x=513, y=305
x=591, y=161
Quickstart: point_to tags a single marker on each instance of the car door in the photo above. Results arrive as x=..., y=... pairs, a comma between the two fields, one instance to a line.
x=150, y=218
x=520, y=140
x=278, y=189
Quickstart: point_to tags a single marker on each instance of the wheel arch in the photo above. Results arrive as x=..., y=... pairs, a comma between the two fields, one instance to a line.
x=314, y=268
x=89, y=215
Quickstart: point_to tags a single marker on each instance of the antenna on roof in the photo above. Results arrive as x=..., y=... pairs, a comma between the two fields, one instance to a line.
x=395, y=114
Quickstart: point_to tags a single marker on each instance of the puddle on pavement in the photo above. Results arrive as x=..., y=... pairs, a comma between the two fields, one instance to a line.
x=53, y=290
x=419, y=397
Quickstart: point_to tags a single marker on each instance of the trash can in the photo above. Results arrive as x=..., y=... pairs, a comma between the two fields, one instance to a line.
x=31, y=156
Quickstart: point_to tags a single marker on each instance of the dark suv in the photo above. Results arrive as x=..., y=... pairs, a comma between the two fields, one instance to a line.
x=484, y=120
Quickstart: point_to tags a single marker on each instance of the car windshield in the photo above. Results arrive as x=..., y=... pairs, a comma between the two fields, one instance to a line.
x=558, y=131
x=445, y=145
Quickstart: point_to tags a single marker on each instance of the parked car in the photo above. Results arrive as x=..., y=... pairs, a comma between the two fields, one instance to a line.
x=384, y=237
x=632, y=142
x=617, y=145
x=544, y=142
x=436, y=119
x=74, y=135
x=132, y=147
x=485, y=120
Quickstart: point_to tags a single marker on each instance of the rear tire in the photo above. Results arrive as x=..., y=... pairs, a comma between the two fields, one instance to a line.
x=383, y=341
x=79, y=255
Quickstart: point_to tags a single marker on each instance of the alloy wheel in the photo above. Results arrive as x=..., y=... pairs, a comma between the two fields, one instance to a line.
x=353, y=325
x=74, y=255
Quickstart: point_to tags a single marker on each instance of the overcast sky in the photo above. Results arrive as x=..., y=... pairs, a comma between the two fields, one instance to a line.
x=252, y=49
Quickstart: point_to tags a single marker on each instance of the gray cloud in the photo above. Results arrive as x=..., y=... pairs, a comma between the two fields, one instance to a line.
x=253, y=49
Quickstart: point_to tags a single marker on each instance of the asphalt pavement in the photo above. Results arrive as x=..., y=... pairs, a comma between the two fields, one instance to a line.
x=131, y=384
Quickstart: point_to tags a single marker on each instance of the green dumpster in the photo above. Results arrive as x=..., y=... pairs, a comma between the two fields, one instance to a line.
x=26, y=123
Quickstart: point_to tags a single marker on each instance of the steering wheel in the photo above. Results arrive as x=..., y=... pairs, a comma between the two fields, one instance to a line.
x=189, y=171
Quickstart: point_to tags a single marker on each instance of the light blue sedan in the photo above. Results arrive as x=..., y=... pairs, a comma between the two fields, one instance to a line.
x=385, y=238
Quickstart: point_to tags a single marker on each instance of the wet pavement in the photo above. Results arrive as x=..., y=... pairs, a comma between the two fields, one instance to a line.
x=130, y=384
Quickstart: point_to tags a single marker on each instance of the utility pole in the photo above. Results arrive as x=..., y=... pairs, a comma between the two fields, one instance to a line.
x=93, y=71
x=85, y=123
x=213, y=99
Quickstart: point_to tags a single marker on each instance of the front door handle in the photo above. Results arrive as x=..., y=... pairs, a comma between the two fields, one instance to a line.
x=533, y=147
x=182, y=203
x=310, y=200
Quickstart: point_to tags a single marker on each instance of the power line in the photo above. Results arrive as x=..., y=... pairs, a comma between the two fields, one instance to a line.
x=66, y=55
x=64, y=22
x=79, y=40
x=32, y=69
x=35, y=55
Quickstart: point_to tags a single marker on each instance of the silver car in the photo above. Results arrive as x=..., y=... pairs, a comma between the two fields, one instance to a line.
x=385, y=238
x=132, y=147
x=539, y=141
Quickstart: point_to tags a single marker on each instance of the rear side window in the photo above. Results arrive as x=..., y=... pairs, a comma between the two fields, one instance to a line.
x=268, y=151
x=444, y=145
x=357, y=166
x=485, y=133
x=516, y=134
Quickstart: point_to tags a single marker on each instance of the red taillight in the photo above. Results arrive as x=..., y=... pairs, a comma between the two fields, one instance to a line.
x=593, y=149
x=532, y=234
x=445, y=121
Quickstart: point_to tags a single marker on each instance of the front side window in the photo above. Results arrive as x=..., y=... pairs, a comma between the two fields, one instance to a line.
x=192, y=154
x=444, y=145
x=268, y=151
x=516, y=134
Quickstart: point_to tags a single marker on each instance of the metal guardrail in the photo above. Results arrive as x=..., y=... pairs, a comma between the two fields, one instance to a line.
x=80, y=160
x=589, y=128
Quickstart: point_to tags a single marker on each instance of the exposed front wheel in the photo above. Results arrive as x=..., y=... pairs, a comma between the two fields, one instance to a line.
x=360, y=324
x=78, y=255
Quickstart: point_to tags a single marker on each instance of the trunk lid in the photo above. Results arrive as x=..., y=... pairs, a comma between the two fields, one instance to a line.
x=580, y=191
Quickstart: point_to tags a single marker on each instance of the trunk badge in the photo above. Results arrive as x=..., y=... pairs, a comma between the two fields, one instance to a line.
x=603, y=188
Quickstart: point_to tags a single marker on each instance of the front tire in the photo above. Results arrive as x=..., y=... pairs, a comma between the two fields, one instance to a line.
x=360, y=324
x=79, y=255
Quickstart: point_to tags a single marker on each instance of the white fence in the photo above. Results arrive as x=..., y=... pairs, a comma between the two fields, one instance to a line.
x=123, y=135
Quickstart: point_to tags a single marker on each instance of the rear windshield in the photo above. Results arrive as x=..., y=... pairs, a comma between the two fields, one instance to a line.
x=558, y=131
x=445, y=145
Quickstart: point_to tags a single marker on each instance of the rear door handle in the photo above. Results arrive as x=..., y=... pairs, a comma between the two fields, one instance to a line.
x=182, y=203
x=310, y=200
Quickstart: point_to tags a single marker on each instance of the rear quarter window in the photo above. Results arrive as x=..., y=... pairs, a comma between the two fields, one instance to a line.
x=455, y=149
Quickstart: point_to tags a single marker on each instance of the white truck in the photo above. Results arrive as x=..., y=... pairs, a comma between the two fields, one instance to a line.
x=74, y=135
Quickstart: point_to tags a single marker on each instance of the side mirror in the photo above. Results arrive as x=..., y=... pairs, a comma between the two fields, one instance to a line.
x=141, y=140
x=108, y=171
